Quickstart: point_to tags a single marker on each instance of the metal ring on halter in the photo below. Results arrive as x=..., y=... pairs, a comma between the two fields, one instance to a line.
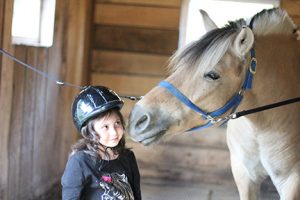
x=208, y=117
x=253, y=70
x=216, y=120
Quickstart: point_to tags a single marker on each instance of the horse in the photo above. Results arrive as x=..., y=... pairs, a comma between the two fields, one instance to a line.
x=228, y=70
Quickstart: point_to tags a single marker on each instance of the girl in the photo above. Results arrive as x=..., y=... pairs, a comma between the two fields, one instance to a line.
x=100, y=166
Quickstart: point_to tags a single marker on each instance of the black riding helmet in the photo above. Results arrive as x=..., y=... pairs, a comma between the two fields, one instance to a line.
x=91, y=101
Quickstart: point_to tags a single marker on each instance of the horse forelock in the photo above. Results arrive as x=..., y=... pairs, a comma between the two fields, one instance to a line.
x=272, y=21
x=207, y=51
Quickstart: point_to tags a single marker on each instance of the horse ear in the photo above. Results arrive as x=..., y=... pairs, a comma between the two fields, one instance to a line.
x=209, y=24
x=243, y=42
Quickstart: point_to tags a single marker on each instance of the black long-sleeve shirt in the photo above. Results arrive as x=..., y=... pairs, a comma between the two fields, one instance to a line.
x=86, y=177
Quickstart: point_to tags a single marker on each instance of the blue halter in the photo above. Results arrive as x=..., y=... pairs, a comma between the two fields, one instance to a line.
x=232, y=104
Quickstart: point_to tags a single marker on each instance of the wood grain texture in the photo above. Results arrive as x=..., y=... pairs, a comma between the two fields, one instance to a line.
x=296, y=20
x=6, y=94
x=137, y=16
x=173, y=159
x=292, y=7
x=136, y=39
x=34, y=142
x=128, y=62
x=15, y=137
x=166, y=3
x=125, y=84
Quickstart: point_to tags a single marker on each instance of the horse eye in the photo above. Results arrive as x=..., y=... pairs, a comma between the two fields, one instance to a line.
x=212, y=76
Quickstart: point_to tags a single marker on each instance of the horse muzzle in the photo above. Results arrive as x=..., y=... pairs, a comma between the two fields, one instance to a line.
x=145, y=127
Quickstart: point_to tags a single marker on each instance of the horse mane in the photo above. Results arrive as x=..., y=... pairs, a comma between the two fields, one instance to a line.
x=272, y=21
x=215, y=43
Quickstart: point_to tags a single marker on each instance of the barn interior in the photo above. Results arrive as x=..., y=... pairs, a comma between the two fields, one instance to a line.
x=122, y=44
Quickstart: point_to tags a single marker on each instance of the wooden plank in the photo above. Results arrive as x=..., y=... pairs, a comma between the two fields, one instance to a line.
x=55, y=58
x=291, y=6
x=40, y=118
x=136, y=39
x=128, y=62
x=6, y=96
x=190, y=163
x=1, y=30
x=76, y=71
x=126, y=15
x=296, y=20
x=125, y=84
x=26, y=160
x=15, y=137
x=165, y=3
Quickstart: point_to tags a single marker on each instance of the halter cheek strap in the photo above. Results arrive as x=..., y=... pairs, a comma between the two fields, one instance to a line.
x=232, y=104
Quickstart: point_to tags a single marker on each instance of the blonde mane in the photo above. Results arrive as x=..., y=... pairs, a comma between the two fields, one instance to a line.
x=210, y=48
x=274, y=21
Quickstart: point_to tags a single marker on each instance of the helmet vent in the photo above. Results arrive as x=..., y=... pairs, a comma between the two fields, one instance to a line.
x=92, y=100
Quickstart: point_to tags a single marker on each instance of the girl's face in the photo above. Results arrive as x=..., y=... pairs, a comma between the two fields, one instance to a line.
x=110, y=129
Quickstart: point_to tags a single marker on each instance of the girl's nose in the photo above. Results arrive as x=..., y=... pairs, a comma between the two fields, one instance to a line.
x=113, y=131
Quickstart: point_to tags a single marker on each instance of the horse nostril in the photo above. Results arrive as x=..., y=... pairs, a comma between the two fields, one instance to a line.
x=142, y=123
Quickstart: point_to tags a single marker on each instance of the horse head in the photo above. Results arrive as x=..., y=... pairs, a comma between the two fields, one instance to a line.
x=208, y=72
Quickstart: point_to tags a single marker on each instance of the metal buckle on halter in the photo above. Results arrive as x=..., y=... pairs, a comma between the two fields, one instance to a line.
x=252, y=67
x=216, y=120
x=208, y=117
x=241, y=92
x=221, y=119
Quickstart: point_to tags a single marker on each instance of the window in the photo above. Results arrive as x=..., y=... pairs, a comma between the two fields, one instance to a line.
x=33, y=22
x=221, y=11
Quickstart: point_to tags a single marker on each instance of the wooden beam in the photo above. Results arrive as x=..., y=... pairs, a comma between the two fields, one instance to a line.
x=291, y=6
x=125, y=84
x=136, y=39
x=166, y=3
x=128, y=62
x=296, y=20
x=137, y=16
x=6, y=94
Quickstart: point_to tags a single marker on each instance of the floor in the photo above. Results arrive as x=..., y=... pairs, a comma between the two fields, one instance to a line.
x=168, y=190
x=156, y=189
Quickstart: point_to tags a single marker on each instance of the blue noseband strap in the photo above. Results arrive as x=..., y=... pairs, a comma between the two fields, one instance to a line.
x=182, y=98
x=232, y=104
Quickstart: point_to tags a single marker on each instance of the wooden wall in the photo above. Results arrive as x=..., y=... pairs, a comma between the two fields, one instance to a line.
x=293, y=8
x=131, y=43
x=36, y=125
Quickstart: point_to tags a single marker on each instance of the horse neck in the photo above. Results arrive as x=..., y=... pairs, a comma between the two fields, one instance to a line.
x=278, y=69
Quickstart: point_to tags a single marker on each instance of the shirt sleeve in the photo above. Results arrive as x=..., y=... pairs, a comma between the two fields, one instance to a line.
x=136, y=178
x=72, y=180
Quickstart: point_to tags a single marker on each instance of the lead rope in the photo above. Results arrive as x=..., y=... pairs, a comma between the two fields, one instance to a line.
x=52, y=78
x=262, y=108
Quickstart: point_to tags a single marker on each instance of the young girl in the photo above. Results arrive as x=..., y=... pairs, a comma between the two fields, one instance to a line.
x=100, y=166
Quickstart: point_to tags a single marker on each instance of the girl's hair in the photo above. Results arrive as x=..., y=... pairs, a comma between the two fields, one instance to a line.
x=90, y=141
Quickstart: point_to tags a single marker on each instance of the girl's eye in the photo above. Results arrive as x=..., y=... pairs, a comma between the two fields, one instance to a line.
x=212, y=75
x=118, y=123
x=105, y=127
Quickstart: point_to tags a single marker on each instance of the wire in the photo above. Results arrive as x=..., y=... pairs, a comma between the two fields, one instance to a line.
x=49, y=77
x=52, y=78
